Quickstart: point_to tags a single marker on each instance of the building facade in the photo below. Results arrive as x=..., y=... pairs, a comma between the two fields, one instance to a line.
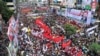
x=10, y=4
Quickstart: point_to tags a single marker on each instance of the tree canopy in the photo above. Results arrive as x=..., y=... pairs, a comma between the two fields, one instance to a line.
x=69, y=29
x=95, y=47
x=5, y=11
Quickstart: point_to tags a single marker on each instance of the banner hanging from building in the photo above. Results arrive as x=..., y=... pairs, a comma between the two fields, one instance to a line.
x=81, y=15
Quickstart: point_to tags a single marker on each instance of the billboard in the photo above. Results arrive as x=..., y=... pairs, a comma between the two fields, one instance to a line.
x=81, y=15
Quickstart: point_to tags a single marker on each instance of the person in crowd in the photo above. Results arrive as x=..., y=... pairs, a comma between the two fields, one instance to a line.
x=0, y=24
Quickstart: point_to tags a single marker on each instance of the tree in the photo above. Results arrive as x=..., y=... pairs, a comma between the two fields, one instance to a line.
x=95, y=47
x=4, y=10
x=69, y=29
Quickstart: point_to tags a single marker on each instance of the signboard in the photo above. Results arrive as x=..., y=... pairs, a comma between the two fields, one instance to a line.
x=74, y=13
x=74, y=16
x=81, y=15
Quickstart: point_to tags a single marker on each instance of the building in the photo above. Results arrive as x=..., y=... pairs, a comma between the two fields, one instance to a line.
x=10, y=4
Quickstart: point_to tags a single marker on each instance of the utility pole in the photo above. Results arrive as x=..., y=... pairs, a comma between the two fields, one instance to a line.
x=16, y=8
x=49, y=3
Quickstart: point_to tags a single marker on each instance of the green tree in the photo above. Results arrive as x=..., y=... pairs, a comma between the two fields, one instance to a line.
x=69, y=29
x=95, y=47
x=4, y=10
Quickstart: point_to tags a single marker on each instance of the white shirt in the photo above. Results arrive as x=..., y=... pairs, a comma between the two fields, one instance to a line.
x=44, y=48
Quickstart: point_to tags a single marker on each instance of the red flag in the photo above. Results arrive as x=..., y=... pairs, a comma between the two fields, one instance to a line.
x=43, y=26
x=49, y=45
x=57, y=39
x=47, y=35
x=47, y=31
x=66, y=44
x=9, y=33
x=79, y=53
x=10, y=37
x=39, y=22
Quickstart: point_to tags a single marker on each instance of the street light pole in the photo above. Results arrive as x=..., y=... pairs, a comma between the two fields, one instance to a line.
x=49, y=3
x=16, y=8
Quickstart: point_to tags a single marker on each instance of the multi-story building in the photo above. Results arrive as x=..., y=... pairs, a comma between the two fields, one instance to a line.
x=10, y=4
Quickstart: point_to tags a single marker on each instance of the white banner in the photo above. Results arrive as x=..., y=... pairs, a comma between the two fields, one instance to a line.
x=74, y=16
x=83, y=15
x=89, y=29
x=77, y=14
x=89, y=17
x=92, y=32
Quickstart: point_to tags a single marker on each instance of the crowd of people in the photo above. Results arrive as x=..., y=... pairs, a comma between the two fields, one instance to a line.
x=31, y=41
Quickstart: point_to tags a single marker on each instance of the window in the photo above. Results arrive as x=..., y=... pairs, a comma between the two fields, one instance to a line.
x=10, y=5
x=8, y=0
x=79, y=1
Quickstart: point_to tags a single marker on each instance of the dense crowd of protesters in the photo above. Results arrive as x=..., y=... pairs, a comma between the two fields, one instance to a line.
x=39, y=46
x=32, y=43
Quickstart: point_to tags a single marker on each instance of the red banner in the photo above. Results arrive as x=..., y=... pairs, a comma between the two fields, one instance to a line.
x=66, y=44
